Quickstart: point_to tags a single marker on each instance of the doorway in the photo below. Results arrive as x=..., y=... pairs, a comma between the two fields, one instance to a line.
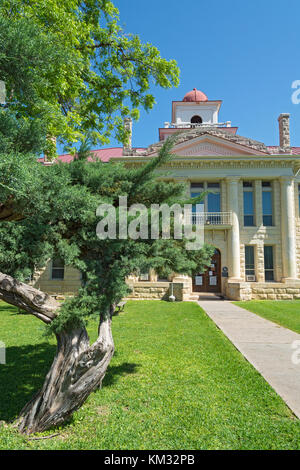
x=210, y=279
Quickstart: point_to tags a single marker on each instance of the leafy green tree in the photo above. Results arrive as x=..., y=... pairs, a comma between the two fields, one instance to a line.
x=95, y=76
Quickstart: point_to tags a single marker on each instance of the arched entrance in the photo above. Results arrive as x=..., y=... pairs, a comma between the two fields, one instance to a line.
x=210, y=279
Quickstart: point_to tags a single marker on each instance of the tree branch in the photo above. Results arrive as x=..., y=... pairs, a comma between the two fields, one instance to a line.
x=26, y=297
x=8, y=213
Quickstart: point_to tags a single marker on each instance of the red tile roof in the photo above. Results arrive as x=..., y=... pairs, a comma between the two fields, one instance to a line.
x=102, y=154
x=275, y=150
x=106, y=154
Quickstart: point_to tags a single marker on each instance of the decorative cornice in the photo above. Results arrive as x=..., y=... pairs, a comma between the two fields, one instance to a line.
x=217, y=163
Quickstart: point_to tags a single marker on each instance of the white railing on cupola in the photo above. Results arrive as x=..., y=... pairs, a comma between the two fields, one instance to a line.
x=192, y=125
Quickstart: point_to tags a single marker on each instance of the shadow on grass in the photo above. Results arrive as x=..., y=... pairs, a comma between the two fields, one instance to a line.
x=115, y=372
x=22, y=376
x=25, y=371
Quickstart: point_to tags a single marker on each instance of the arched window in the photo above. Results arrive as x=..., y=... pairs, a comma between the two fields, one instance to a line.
x=196, y=120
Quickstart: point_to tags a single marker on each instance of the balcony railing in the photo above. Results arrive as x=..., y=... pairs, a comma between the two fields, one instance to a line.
x=175, y=125
x=211, y=218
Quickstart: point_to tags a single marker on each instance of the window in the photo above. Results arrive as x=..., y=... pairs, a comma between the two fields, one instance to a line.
x=211, y=201
x=269, y=263
x=249, y=260
x=196, y=120
x=213, y=197
x=196, y=190
x=248, y=204
x=58, y=269
x=267, y=203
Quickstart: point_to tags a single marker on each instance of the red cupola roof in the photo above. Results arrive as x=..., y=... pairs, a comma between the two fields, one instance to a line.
x=195, y=95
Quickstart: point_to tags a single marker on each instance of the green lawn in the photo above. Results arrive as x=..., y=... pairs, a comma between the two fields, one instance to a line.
x=285, y=313
x=175, y=382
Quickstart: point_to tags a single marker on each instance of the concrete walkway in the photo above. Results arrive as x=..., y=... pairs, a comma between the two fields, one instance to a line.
x=266, y=345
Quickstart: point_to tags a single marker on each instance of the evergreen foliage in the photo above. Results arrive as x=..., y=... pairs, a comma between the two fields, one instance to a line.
x=63, y=222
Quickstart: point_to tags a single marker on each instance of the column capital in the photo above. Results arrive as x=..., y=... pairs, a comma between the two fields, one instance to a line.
x=232, y=179
x=181, y=179
x=287, y=179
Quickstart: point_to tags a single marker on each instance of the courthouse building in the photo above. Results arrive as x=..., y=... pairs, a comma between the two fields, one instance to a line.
x=251, y=207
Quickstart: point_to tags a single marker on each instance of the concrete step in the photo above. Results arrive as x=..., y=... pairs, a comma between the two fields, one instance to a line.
x=206, y=296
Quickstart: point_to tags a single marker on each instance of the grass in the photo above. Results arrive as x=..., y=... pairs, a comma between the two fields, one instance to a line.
x=284, y=313
x=175, y=382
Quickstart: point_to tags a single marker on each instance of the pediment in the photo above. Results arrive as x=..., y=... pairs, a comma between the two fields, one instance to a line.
x=213, y=142
x=212, y=146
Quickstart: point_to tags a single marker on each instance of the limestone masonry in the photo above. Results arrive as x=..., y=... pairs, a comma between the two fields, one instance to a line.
x=251, y=208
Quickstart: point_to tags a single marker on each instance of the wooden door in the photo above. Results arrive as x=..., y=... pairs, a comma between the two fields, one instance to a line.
x=210, y=279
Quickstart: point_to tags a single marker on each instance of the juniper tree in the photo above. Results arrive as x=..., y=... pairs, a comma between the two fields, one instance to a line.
x=67, y=85
x=62, y=221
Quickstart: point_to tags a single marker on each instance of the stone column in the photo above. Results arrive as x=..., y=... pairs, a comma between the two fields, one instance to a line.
x=223, y=196
x=234, y=235
x=288, y=235
x=152, y=275
x=187, y=183
x=258, y=202
x=187, y=284
x=178, y=277
x=260, y=262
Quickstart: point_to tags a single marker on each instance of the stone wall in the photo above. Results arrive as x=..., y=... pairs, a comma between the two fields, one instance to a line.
x=262, y=291
x=238, y=290
x=68, y=286
x=141, y=290
x=259, y=235
x=155, y=291
x=276, y=291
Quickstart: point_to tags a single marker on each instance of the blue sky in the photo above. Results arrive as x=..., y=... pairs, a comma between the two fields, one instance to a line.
x=245, y=53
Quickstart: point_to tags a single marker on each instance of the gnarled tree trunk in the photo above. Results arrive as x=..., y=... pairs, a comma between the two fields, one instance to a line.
x=77, y=370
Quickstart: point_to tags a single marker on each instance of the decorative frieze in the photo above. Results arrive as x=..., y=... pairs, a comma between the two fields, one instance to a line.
x=216, y=163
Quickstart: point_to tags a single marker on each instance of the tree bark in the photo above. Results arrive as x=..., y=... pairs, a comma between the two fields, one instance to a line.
x=78, y=368
x=26, y=297
x=8, y=211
